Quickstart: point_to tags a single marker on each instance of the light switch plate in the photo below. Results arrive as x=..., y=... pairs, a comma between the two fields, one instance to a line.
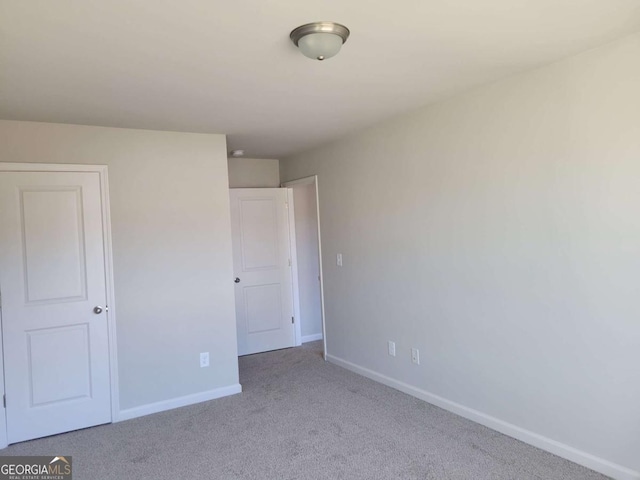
x=204, y=359
x=339, y=259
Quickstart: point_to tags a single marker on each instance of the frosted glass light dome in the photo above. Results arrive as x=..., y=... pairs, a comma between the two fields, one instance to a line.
x=320, y=40
x=320, y=46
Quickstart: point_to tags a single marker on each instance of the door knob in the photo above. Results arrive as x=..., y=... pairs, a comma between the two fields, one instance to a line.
x=237, y=280
x=97, y=310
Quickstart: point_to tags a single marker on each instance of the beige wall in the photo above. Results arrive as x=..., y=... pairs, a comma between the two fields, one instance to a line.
x=499, y=233
x=253, y=173
x=171, y=245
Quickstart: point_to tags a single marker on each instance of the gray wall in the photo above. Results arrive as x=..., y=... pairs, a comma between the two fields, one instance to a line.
x=171, y=244
x=254, y=173
x=499, y=232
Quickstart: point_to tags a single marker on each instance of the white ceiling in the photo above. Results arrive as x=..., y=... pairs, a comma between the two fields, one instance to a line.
x=228, y=66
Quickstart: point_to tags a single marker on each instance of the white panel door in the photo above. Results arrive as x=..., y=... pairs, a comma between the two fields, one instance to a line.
x=52, y=275
x=262, y=266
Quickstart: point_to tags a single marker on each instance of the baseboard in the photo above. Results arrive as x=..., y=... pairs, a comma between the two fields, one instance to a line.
x=178, y=402
x=311, y=338
x=560, y=449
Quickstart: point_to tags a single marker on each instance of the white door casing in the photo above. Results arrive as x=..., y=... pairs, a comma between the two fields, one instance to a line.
x=262, y=265
x=52, y=275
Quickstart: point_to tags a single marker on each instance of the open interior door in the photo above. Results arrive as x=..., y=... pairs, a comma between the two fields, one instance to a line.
x=262, y=267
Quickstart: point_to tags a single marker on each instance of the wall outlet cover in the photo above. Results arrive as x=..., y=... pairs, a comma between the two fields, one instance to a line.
x=415, y=356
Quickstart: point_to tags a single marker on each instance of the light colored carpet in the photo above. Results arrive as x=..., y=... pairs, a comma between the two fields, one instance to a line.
x=302, y=418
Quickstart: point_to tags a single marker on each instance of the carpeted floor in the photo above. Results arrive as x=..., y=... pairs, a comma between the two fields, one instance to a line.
x=301, y=418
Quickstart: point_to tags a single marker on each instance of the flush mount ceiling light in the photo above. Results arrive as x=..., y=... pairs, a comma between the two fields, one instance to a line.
x=236, y=153
x=320, y=40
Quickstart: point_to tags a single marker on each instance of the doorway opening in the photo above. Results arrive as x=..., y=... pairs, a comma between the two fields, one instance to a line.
x=277, y=266
x=308, y=287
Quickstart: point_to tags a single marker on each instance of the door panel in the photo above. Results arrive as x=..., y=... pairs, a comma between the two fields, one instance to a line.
x=53, y=244
x=259, y=233
x=52, y=275
x=47, y=359
x=261, y=260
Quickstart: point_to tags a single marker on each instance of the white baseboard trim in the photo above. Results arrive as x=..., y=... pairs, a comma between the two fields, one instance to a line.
x=311, y=338
x=178, y=402
x=565, y=451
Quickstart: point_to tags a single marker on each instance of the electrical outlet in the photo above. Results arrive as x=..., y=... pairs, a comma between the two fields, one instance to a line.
x=392, y=348
x=204, y=359
x=415, y=356
x=339, y=259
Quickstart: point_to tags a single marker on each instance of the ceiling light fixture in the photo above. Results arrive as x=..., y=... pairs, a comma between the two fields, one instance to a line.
x=237, y=153
x=320, y=40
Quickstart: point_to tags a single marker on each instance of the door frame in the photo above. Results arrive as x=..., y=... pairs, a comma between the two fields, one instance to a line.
x=102, y=172
x=313, y=180
x=293, y=258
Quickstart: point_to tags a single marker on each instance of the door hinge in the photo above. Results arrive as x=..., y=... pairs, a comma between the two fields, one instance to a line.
x=289, y=262
x=292, y=320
